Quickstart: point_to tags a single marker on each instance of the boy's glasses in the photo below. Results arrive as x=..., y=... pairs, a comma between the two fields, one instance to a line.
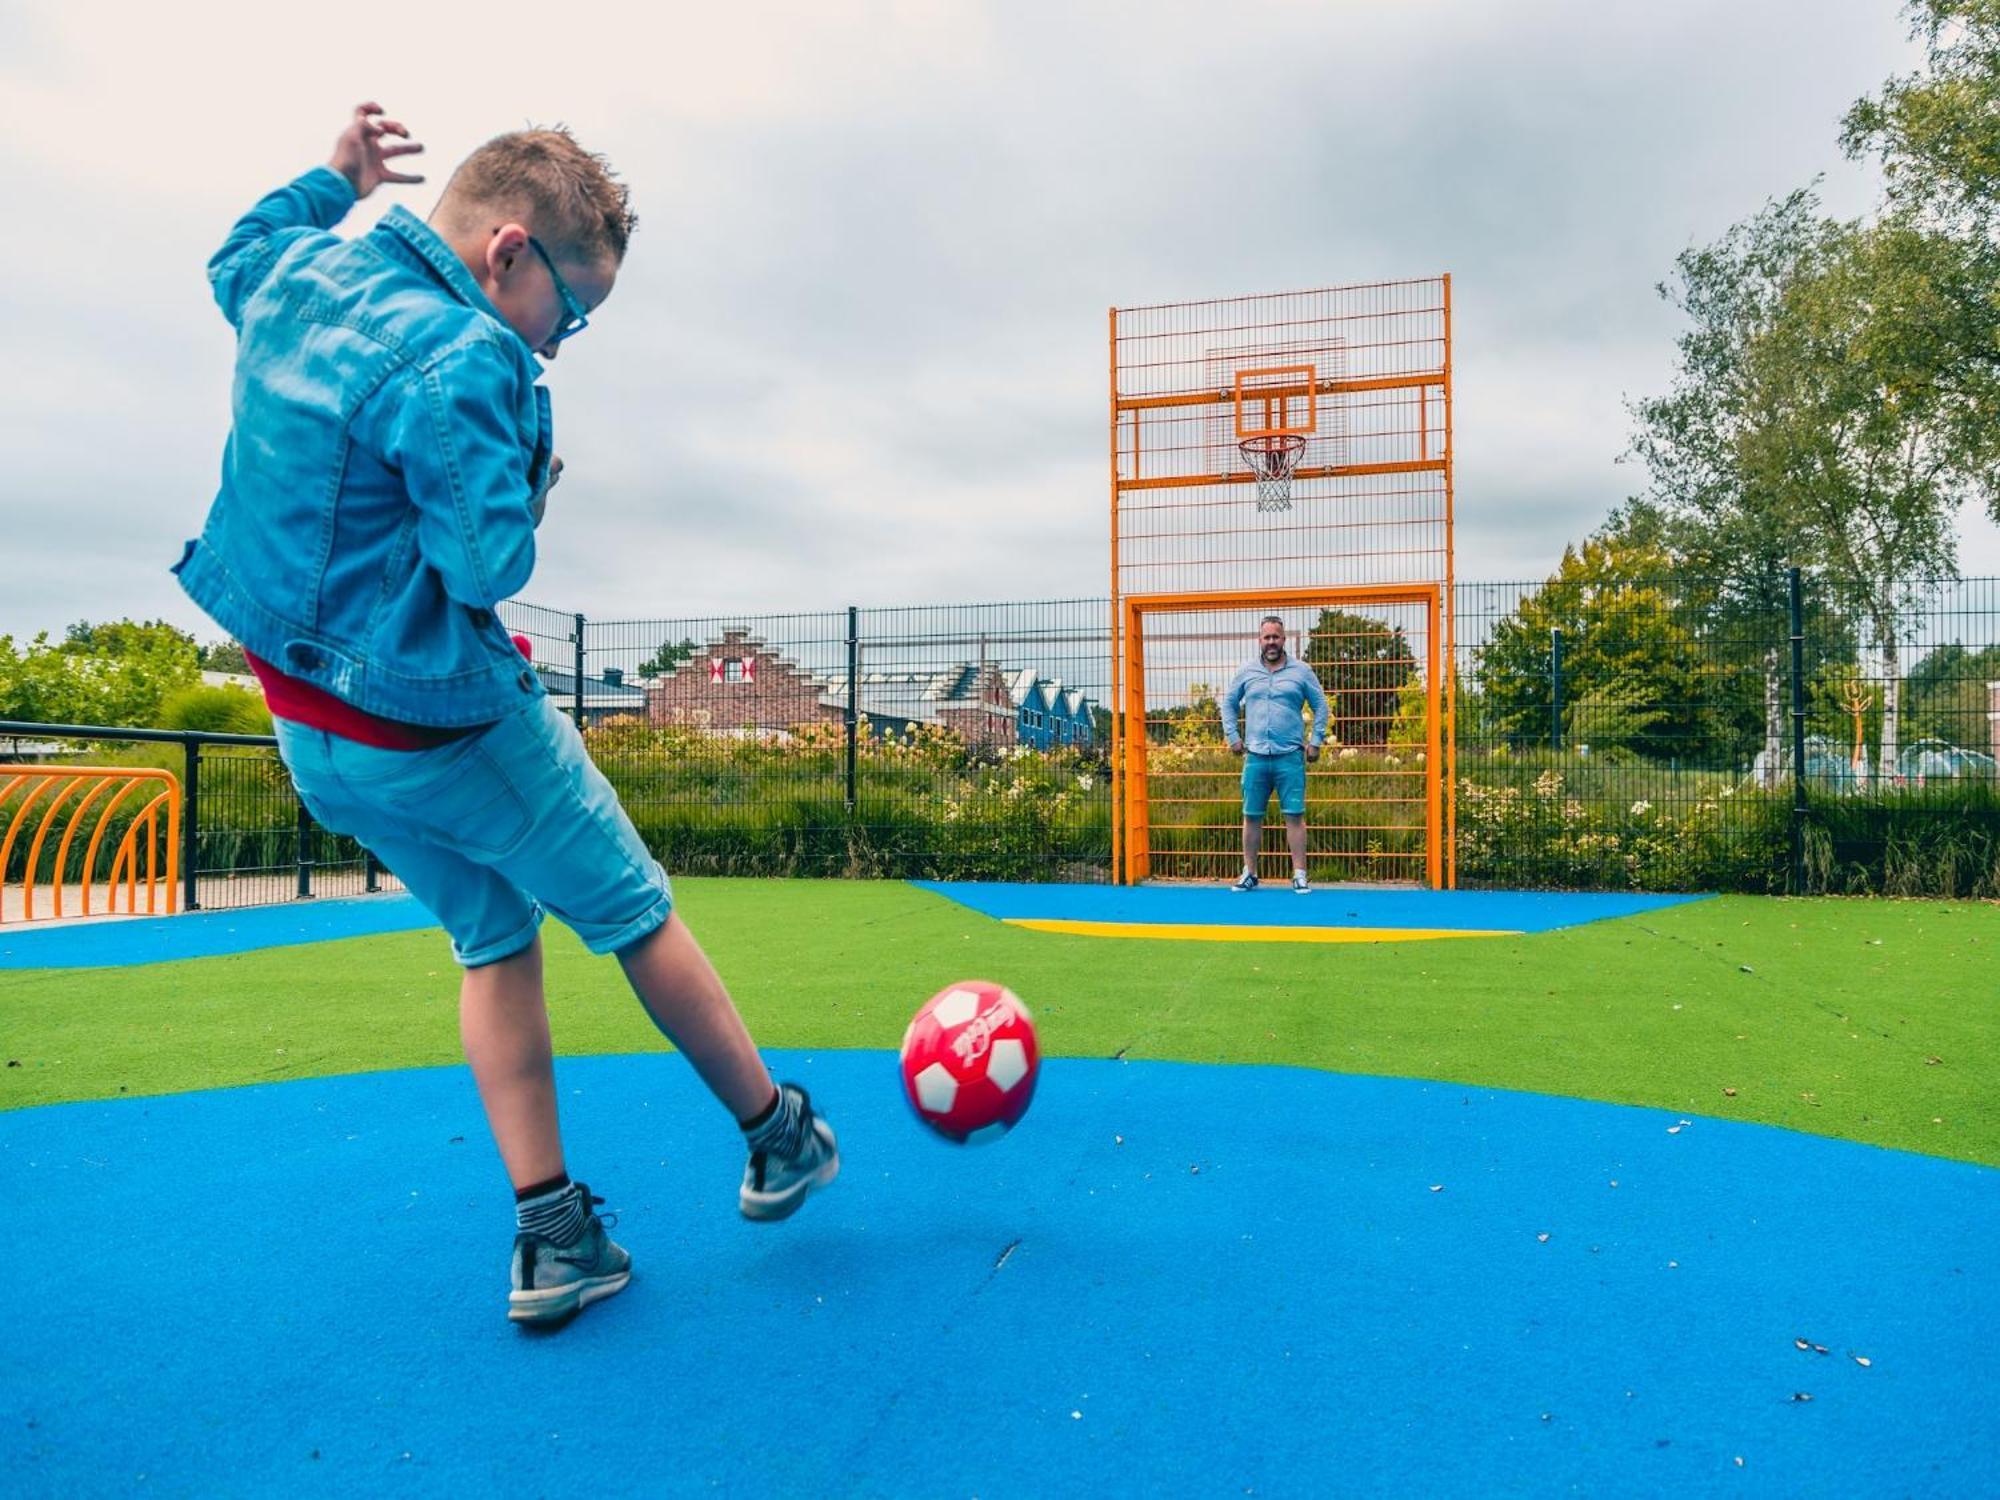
x=575, y=320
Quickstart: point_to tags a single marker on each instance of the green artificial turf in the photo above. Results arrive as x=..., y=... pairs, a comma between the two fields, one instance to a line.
x=1867, y=1019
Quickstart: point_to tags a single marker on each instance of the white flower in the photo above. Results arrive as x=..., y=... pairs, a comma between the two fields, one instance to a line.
x=1641, y=808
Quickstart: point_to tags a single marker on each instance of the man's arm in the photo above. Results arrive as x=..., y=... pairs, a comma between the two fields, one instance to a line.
x=449, y=432
x=1316, y=696
x=1232, y=706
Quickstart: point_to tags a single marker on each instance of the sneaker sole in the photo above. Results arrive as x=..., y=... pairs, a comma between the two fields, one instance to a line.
x=768, y=1208
x=558, y=1304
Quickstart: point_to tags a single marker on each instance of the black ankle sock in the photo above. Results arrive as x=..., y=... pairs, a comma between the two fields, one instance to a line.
x=763, y=1115
x=542, y=1189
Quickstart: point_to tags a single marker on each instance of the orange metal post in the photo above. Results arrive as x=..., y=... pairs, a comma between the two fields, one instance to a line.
x=1117, y=652
x=1436, y=861
x=1450, y=621
x=1137, y=831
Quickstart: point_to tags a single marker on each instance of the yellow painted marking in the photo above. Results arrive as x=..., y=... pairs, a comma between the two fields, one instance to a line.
x=1209, y=933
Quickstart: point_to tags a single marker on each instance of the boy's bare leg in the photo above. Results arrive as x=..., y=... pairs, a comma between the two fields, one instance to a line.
x=686, y=999
x=1295, y=835
x=1253, y=842
x=504, y=1024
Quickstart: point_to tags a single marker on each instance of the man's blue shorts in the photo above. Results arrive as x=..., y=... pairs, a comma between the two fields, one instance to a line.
x=1284, y=774
x=489, y=831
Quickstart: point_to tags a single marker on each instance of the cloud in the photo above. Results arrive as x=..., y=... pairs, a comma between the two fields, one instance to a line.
x=858, y=350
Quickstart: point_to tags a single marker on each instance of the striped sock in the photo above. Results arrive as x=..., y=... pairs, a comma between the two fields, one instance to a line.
x=556, y=1210
x=781, y=1131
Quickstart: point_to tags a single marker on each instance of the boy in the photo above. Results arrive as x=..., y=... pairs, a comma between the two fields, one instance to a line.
x=387, y=466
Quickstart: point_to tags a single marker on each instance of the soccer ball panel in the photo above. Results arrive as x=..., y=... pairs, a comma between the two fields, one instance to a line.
x=1008, y=1063
x=956, y=1007
x=936, y=1089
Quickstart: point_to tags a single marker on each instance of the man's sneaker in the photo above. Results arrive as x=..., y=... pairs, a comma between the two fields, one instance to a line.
x=774, y=1185
x=1247, y=881
x=552, y=1283
x=1300, y=885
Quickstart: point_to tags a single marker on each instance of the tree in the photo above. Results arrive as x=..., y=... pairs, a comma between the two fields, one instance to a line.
x=1875, y=452
x=1732, y=526
x=1631, y=664
x=669, y=656
x=1948, y=697
x=1362, y=664
x=1937, y=135
x=113, y=674
x=1937, y=132
x=225, y=656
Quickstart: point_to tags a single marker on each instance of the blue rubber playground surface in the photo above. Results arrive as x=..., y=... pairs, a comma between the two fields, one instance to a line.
x=1328, y=914
x=1171, y=1280
x=205, y=934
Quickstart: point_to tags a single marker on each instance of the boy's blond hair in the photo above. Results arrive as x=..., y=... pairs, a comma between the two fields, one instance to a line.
x=568, y=196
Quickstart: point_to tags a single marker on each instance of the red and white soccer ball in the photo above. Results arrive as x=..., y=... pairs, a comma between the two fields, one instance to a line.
x=970, y=1061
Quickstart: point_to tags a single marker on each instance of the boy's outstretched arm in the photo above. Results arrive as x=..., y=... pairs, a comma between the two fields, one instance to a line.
x=316, y=201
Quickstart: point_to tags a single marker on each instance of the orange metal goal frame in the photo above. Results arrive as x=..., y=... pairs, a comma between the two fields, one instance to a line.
x=1130, y=814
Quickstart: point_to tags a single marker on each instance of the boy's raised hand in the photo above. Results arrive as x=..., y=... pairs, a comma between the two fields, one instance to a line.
x=361, y=157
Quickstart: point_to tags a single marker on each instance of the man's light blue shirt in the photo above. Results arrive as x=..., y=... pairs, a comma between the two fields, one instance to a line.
x=1272, y=702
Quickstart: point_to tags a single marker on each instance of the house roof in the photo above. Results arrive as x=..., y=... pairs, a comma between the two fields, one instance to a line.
x=597, y=693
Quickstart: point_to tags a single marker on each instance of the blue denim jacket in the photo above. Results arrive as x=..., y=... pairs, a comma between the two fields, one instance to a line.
x=388, y=439
x=1273, y=704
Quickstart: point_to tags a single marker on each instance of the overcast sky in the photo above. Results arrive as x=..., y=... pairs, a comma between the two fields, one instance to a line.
x=857, y=353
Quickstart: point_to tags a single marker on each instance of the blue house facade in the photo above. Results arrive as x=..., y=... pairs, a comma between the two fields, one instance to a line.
x=1048, y=715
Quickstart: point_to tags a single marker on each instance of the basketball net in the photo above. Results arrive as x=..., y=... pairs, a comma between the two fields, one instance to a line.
x=1272, y=457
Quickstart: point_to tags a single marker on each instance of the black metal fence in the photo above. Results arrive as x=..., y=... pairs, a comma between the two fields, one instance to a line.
x=247, y=840
x=1681, y=734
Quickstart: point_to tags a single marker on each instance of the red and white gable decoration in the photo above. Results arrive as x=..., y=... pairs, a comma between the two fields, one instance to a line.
x=718, y=665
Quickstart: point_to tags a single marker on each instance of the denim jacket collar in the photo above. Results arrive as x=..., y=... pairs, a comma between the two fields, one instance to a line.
x=430, y=247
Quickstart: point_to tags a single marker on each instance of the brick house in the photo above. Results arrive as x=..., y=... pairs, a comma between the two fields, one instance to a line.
x=737, y=682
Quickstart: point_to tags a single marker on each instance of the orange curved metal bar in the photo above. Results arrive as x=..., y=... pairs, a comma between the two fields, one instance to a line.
x=97, y=841
x=41, y=835
x=69, y=837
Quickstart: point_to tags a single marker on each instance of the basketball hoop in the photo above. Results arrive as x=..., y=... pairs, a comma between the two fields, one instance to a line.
x=1272, y=457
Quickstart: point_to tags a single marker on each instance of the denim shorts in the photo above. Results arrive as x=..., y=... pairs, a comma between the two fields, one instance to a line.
x=1284, y=774
x=491, y=830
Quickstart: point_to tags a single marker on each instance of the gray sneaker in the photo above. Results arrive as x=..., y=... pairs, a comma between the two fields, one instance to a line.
x=553, y=1283
x=774, y=1186
x=1300, y=885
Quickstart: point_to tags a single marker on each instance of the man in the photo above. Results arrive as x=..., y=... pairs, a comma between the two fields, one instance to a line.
x=1271, y=692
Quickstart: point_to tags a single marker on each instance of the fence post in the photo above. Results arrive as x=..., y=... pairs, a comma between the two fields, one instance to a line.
x=190, y=824
x=305, y=852
x=1556, y=688
x=578, y=696
x=1798, y=614
x=372, y=870
x=853, y=696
